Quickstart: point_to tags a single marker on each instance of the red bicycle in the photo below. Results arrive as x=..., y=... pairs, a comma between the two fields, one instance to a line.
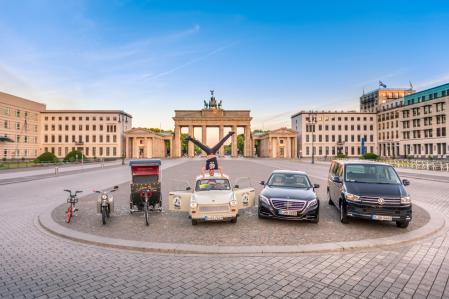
x=71, y=200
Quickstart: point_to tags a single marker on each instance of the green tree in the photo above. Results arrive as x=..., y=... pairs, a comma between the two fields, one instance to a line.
x=371, y=156
x=73, y=156
x=46, y=157
x=240, y=143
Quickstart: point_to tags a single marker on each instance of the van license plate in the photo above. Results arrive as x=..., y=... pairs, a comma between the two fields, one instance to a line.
x=288, y=213
x=213, y=218
x=382, y=218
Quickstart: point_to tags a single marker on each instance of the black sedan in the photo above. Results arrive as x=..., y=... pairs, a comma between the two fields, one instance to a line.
x=289, y=195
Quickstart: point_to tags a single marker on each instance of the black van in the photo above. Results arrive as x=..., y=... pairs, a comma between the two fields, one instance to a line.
x=369, y=190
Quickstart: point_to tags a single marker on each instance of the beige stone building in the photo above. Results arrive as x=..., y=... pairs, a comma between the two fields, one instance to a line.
x=142, y=143
x=327, y=134
x=389, y=128
x=280, y=143
x=98, y=133
x=20, y=122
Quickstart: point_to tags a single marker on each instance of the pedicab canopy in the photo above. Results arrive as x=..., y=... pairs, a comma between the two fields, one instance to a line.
x=145, y=167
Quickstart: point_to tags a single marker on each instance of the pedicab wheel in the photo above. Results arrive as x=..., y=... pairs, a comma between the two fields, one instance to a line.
x=68, y=214
x=194, y=222
x=103, y=215
x=145, y=211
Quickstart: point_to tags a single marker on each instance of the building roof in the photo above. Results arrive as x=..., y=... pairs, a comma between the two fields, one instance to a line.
x=331, y=112
x=12, y=100
x=89, y=111
x=427, y=94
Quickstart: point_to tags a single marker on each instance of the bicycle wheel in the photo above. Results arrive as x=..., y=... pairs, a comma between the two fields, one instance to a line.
x=103, y=215
x=68, y=214
x=145, y=211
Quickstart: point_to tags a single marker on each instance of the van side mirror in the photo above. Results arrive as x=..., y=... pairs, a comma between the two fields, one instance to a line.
x=262, y=183
x=336, y=179
x=316, y=186
x=405, y=182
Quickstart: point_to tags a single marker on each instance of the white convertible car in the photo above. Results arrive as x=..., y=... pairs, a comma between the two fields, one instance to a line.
x=213, y=199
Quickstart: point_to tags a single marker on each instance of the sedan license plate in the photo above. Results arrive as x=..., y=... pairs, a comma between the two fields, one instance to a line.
x=213, y=218
x=382, y=218
x=288, y=213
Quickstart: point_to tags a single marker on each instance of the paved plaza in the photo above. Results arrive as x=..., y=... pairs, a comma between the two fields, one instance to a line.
x=35, y=263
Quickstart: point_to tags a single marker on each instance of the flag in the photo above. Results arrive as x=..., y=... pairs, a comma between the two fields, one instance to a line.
x=381, y=84
x=411, y=85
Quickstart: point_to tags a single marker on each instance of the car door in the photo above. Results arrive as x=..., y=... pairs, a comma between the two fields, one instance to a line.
x=244, y=193
x=179, y=201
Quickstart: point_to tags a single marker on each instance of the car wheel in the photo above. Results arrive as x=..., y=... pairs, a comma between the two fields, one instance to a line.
x=259, y=214
x=402, y=224
x=343, y=213
x=329, y=198
x=234, y=220
x=194, y=222
x=316, y=220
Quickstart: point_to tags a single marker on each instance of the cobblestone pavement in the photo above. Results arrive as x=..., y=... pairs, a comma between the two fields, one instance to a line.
x=36, y=264
x=175, y=227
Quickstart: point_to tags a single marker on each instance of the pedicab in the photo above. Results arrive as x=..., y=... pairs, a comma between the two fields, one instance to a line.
x=145, y=187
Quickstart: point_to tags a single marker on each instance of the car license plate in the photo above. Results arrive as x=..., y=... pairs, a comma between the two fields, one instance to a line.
x=288, y=213
x=213, y=218
x=382, y=218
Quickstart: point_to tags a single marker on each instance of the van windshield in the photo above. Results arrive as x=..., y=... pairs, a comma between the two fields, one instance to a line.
x=374, y=174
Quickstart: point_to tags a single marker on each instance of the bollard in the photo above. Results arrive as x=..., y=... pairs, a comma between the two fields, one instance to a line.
x=56, y=170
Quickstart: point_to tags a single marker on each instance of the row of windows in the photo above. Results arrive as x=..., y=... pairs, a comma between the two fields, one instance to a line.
x=312, y=127
x=109, y=128
x=427, y=149
x=86, y=118
x=22, y=138
x=388, y=116
x=339, y=118
x=19, y=153
x=19, y=126
x=19, y=113
x=386, y=135
x=339, y=138
x=326, y=150
x=87, y=151
x=101, y=138
x=431, y=96
x=427, y=133
x=386, y=125
x=427, y=109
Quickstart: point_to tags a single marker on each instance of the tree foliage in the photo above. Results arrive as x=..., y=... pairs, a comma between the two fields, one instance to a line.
x=73, y=156
x=47, y=157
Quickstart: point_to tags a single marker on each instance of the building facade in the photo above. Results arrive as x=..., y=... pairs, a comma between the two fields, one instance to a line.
x=371, y=101
x=20, y=122
x=97, y=133
x=280, y=143
x=327, y=134
x=142, y=143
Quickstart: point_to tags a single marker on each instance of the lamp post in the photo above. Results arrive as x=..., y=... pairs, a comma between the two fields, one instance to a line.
x=312, y=120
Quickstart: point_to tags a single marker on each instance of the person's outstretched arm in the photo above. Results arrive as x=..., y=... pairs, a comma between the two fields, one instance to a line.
x=216, y=147
x=205, y=148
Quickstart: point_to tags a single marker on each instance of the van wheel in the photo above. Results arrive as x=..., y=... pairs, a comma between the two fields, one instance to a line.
x=343, y=213
x=331, y=203
x=402, y=224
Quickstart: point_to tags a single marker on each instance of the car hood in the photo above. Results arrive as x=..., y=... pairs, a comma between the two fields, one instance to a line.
x=376, y=190
x=213, y=197
x=288, y=193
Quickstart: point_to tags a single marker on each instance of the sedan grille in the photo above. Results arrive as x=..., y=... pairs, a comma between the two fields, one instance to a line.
x=292, y=205
x=380, y=201
x=213, y=208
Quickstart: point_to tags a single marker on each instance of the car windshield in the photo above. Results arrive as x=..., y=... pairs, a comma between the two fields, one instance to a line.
x=289, y=180
x=212, y=184
x=371, y=173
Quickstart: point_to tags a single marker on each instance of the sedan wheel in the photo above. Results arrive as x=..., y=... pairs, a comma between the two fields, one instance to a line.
x=343, y=213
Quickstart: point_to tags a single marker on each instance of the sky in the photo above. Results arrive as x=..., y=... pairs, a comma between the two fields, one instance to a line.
x=275, y=58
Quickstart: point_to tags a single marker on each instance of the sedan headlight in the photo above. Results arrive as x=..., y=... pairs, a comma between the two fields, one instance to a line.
x=406, y=200
x=352, y=197
x=193, y=203
x=264, y=199
x=313, y=202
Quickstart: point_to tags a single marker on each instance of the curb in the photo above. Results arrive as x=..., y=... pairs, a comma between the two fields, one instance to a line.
x=436, y=223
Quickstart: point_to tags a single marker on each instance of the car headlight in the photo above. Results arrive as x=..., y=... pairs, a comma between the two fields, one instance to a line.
x=352, y=197
x=264, y=199
x=406, y=200
x=313, y=202
x=104, y=197
x=193, y=204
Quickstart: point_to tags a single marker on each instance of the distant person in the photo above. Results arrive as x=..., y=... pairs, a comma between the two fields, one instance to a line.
x=211, y=154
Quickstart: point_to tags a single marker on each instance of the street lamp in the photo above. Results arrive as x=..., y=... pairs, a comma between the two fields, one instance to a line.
x=312, y=121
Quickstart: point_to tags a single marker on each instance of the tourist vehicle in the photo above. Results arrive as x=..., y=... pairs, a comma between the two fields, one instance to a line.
x=145, y=187
x=369, y=190
x=213, y=199
x=105, y=203
x=72, y=200
x=289, y=195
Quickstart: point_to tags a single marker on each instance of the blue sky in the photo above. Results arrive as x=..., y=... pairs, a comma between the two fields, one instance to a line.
x=275, y=58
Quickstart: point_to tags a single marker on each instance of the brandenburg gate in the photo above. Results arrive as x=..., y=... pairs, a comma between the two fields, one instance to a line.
x=212, y=115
